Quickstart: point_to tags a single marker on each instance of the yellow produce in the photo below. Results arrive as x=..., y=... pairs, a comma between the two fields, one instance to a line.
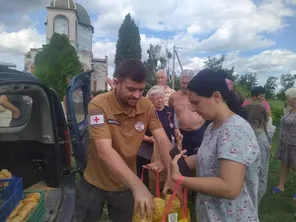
x=36, y=196
x=16, y=219
x=158, y=209
x=24, y=208
x=16, y=210
x=176, y=204
x=5, y=174
x=137, y=218
x=30, y=199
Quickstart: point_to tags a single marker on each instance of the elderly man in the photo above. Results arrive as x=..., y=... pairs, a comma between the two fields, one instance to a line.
x=161, y=79
x=191, y=125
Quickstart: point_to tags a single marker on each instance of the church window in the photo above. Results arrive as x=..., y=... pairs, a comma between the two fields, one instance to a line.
x=61, y=25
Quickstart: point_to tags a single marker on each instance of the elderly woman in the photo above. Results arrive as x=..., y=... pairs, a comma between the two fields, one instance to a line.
x=166, y=115
x=287, y=142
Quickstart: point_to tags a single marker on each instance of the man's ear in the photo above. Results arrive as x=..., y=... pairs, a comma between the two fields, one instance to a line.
x=116, y=82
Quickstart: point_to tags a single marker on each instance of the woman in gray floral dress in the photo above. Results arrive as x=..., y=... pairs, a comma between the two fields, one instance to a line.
x=287, y=142
x=228, y=161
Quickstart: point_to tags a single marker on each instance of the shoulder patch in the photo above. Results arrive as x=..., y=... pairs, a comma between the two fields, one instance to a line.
x=97, y=119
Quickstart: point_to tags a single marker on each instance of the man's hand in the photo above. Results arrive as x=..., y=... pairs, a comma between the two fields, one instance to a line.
x=143, y=201
x=15, y=113
x=178, y=135
x=157, y=166
x=152, y=139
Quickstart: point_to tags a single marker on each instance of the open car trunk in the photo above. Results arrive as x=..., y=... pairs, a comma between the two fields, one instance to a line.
x=31, y=150
x=30, y=160
x=36, y=164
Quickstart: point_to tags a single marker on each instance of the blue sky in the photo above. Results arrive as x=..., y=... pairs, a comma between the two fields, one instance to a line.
x=256, y=36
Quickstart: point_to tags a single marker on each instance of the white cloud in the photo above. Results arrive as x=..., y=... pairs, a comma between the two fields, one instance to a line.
x=13, y=45
x=21, y=41
x=229, y=24
x=265, y=64
x=212, y=25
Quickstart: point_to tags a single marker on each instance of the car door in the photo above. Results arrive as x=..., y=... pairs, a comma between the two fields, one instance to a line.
x=77, y=99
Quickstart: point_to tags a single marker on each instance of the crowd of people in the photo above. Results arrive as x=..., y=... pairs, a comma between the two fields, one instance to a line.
x=224, y=139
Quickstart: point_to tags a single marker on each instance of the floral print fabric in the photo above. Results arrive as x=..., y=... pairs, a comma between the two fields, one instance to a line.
x=234, y=140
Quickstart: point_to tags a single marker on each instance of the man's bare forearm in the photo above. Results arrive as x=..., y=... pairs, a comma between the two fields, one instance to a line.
x=116, y=164
x=164, y=148
x=6, y=104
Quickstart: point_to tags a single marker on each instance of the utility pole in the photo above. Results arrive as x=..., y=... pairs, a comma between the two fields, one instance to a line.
x=179, y=60
x=173, y=73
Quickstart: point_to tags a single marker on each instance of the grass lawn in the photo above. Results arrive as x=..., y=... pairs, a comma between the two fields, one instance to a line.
x=273, y=207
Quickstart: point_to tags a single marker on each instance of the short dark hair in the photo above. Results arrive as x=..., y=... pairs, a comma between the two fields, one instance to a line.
x=132, y=69
x=259, y=90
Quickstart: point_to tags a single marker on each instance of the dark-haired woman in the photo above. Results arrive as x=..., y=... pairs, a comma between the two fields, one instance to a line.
x=228, y=161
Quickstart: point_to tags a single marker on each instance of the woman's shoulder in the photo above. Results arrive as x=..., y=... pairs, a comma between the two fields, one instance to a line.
x=238, y=125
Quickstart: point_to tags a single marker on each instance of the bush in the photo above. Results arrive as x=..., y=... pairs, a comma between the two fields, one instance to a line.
x=277, y=110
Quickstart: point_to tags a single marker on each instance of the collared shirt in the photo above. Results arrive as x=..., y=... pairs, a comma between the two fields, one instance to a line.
x=125, y=128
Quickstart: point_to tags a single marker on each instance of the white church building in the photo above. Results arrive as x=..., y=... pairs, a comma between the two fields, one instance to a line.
x=70, y=18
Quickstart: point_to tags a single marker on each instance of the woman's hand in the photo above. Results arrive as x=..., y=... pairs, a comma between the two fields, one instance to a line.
x=157, y=166
x=174, y=168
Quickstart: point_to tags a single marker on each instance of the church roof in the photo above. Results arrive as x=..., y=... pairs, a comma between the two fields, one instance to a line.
x=83, y=16
x=63, y=4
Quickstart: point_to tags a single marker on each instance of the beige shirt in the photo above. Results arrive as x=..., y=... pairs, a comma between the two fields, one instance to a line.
x=125, y=129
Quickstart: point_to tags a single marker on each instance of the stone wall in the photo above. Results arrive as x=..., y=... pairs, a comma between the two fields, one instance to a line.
x=100, y=74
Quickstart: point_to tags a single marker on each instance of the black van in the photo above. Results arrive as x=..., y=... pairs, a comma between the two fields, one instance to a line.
x=41, y=149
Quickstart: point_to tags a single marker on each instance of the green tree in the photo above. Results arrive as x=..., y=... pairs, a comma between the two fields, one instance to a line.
x=287, y=81
x=248, y=81
x=154, y=62
x=270, y=87
x=217, y=63
x=57, y=62
x=129, y=41
x=177, y=83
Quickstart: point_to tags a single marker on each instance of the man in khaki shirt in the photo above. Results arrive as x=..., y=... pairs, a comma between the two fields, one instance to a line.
x=117, y=123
